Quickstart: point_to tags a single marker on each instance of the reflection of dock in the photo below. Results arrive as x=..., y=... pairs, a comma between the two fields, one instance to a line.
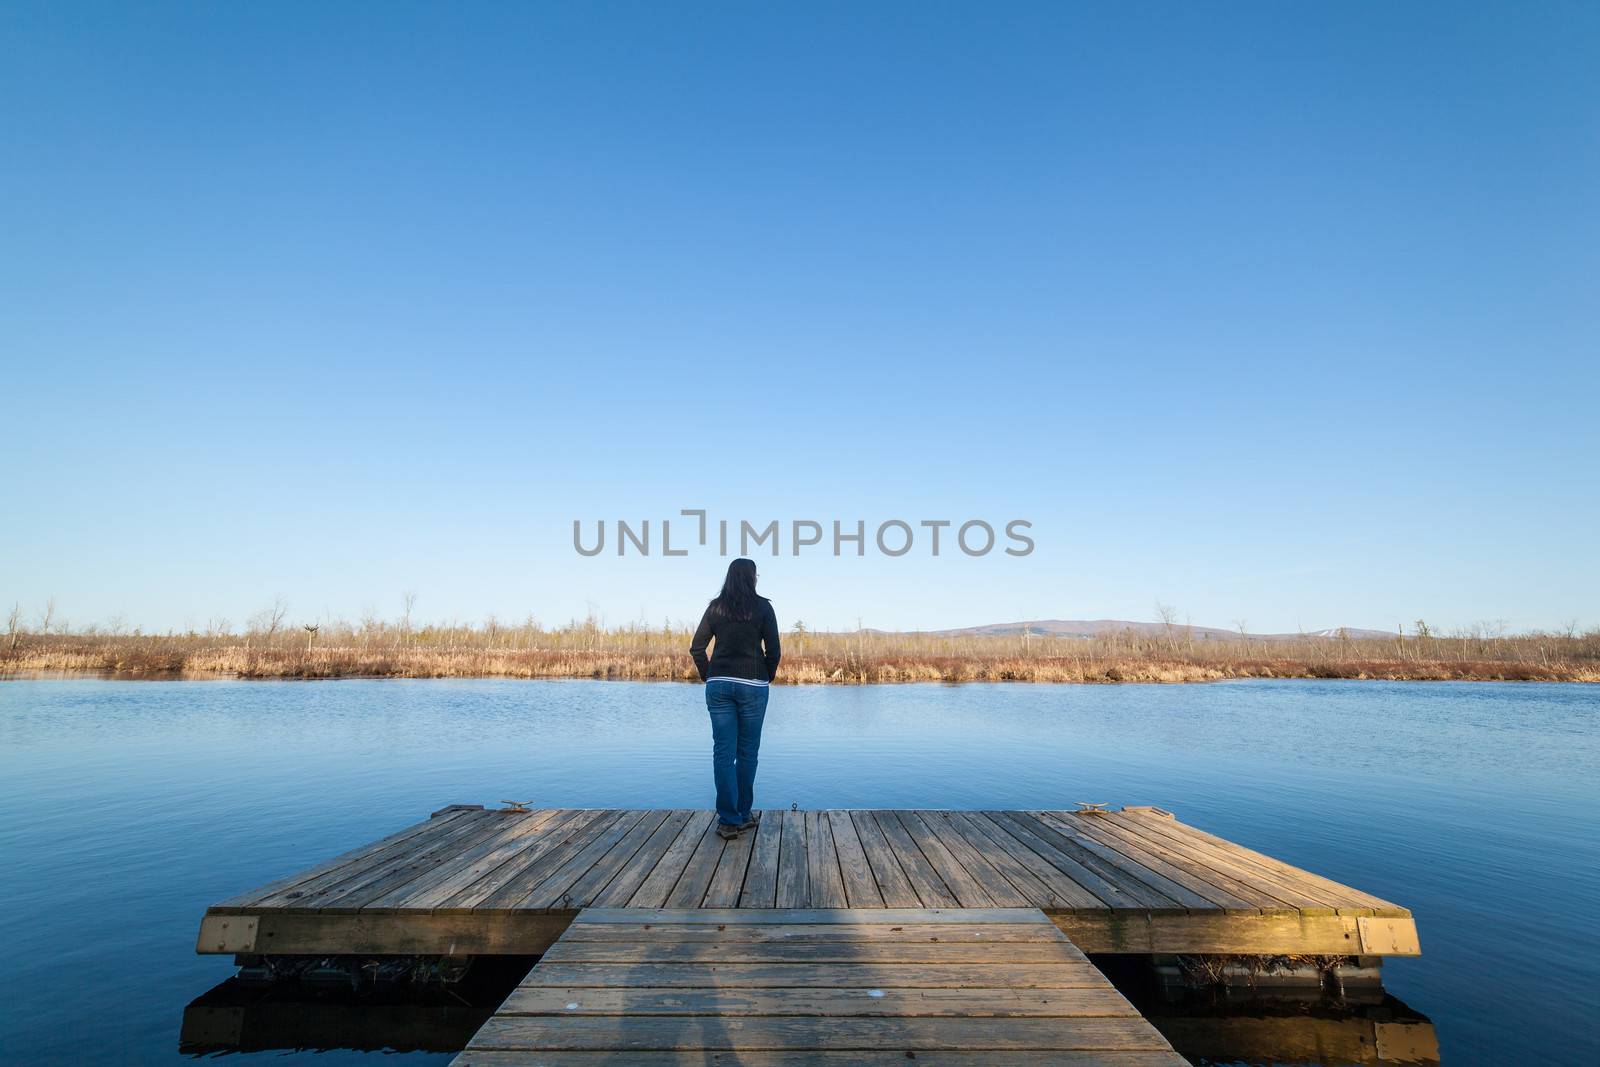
x=650, y=922
x=476, y=882
x=263, y=1025
x=254, y=1016
x=1361, y=1034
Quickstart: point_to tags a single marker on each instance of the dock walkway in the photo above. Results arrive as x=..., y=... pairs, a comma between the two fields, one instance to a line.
x=779, y=986
x=471, y=881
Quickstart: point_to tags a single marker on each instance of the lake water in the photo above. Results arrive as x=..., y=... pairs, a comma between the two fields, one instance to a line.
x=130, y=806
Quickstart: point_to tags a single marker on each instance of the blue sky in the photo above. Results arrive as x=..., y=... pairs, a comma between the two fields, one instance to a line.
x=1277, y=312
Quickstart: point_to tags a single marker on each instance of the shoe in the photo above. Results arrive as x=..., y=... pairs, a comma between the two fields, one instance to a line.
x=727, y=832
x=749, y=824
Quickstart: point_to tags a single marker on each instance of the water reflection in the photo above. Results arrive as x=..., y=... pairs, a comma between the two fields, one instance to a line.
x=1287, y=1027
x=246, y=1016
x=1280, y=1026
x=1283, y=1030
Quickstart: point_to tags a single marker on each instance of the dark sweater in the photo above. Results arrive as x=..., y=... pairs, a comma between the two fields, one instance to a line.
x=739, y=642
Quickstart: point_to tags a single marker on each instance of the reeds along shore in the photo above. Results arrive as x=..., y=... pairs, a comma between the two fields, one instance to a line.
x=587, y=650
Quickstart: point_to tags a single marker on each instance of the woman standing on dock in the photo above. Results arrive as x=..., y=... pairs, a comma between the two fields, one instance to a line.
x=744, y=661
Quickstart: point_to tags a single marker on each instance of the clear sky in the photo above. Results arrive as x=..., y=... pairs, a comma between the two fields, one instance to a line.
x=1282, y=312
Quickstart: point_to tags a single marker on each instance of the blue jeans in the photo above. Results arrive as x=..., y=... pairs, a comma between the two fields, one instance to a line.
x=736, y=714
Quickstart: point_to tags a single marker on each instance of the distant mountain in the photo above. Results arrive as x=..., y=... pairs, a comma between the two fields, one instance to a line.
x=1101, y=627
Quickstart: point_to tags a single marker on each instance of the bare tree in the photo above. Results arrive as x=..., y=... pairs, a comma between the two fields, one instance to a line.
x=311, y=629
x=369, y=624
x=47, y=617
x=267, y=621
x=408, y=600
x=14, y=625
x=1169, y=620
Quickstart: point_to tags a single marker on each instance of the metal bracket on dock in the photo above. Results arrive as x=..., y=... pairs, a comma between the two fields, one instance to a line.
x=1385, y=936
x=228, y=933
x=520, y=806
x=1088, y=807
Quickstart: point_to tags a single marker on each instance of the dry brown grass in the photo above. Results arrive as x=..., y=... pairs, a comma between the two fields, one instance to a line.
x=381, y=650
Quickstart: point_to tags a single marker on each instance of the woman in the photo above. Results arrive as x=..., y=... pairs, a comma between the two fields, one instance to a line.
x=743, y=663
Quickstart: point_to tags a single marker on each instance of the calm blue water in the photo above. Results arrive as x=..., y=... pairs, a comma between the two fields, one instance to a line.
x=130, y=806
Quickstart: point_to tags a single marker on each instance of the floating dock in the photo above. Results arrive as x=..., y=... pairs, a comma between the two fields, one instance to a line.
x=838, y=936
x=470, y=881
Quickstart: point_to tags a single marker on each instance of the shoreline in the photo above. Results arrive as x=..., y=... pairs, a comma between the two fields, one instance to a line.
x=862, y=658
x=1156, y=673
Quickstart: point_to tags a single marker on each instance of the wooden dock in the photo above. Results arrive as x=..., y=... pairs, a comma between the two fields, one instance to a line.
x=470, y=881
x=762, y=987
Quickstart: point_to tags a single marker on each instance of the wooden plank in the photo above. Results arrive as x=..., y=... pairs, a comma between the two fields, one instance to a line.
x=822, y=863
x=868, y=916
x=333, y=874
x=998, y=887
x=626, y=1033
x=962, y=825
x=468, y=864
x=1061, y=891
x=761, y=877
x=262, y=893
x=1119, y=873
x=363, y=933
x=559, y=836
x=657, y=885
x=441, y=933
x=887, y=874
x=438, y=892
x=1287, y=888
x=650, y=950
x=727, y=881
x=1200, y=869
x=1284, y=933
x=1168, y=878
x=783, y=975
x=515, y=888
x=751, y=932
x=690, y=888
x=930, y=888
x=1213, y=865
x=1038, y=838
x=584, y=890
x=968, y=891
x=403, y=869
x=1343, y=896
x=551, y=891
x=794, y=890
x=621, y=888
x=819, y=1058
x=1008, y=1003
x=860, y=888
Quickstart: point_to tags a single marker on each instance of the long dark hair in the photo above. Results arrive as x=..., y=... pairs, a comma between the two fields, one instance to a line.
x=738, y=598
